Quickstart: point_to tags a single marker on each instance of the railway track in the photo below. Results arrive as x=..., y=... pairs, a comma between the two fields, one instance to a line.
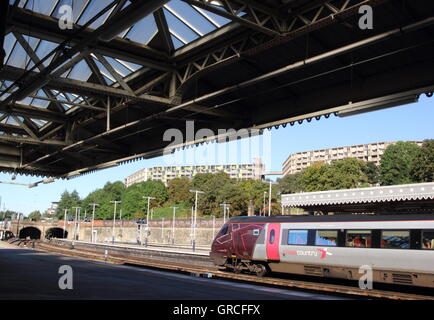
x=214, y=272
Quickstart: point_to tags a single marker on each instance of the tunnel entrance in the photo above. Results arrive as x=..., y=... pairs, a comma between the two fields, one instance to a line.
x=31, y=232
x=56, y=233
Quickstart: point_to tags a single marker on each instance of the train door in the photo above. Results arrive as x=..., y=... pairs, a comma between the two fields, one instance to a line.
x=272, y=242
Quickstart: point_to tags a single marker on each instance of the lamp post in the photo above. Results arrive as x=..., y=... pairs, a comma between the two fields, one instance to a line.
x=114, y=219
x=269, y=201
x=92, y=237
x=225, y=206
x=18, y=225
x=64, y=224
x=195, y=217
x=162, y=230
x=173, y=224
x=263, y=209
x=147, y=219
x=75, y=222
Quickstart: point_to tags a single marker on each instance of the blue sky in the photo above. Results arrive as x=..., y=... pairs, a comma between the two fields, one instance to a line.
x=410, y=122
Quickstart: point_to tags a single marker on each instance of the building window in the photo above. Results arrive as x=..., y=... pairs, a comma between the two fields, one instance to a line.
x=297, y=237
x=395, y=239
x=428, y=239
x=326, y=238
x=358, y=238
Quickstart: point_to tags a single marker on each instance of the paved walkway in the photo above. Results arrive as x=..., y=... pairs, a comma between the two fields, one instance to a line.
x=32, y=274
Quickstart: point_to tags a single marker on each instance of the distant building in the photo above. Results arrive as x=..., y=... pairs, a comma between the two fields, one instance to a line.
x=51, y=211
x=367, y=152
x=253, y=170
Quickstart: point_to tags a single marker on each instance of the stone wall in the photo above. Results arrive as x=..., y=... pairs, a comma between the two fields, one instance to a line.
x=129, y=231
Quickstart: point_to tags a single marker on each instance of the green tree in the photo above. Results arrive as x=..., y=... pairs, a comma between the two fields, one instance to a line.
x=217, y=188
x=290, y=183
x=397, y=163
x=340, y=174
x=372, y=173
x=110, y=192
x=422, y=169
x=312, y=177
x=347, y=173
x=35, y=215
x=178, y=190
x=67, y=201
x=133, y=203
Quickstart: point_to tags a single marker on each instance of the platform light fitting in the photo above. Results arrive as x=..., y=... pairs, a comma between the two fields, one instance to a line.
x=377, y=104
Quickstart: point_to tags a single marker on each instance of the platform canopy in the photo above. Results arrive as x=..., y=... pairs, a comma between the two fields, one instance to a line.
x=104, y=92
x=388, y=199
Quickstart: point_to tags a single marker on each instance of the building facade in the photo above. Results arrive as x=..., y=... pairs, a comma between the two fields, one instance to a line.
x=253, y=170
x=371, y=152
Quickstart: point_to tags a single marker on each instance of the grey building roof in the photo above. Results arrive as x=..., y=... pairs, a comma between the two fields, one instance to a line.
x=407, y=192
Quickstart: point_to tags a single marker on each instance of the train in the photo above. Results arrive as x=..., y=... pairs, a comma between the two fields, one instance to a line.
x=397, y=249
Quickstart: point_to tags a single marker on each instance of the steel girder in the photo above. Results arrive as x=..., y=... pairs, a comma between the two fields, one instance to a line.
x=301, y=22
x=157, y=87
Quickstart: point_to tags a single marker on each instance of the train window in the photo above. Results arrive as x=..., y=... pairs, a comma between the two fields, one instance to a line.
x=272, y=233
x=224, y=230
x=297, y=237
x=428, y=239
x=326, y=238
x=358, y=238
x=395, y=239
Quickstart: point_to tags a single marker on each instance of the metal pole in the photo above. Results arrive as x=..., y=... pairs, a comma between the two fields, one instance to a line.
x=78, y=222
x=263, y=209
x=18, y=225
x=114, y=220
x=92, y=238
x=75, y=222
x=194, y=224
x=173, y=225
x=120, y=219
x=162, y=230
x=213, y=226
x=269, y=201
x=147, y=220
x=191, y=224
x=64, y=224
x=195, y=218
x=147, y=212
